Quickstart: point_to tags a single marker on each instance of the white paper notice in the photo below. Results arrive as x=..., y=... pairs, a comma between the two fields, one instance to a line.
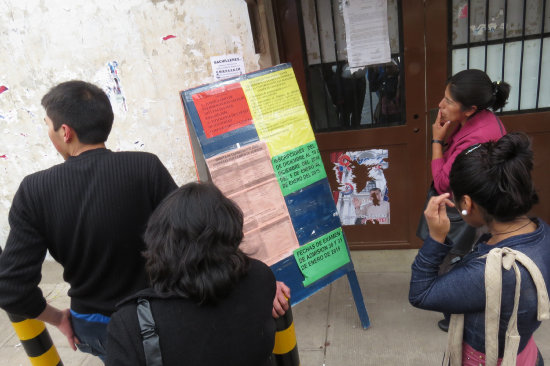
x=367, y=38
x=227, y=66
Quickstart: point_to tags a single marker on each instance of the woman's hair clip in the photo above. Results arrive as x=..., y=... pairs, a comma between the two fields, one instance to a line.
x=495, y=87
x=472, y=148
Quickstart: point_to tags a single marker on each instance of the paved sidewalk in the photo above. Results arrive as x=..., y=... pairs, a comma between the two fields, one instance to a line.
x=328, y=329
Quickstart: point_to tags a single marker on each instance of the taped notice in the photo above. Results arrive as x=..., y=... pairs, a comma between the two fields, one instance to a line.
x=227, y=66
x=298, y=168
x=367, y=37
x=246, y=176
x=322, y=256
x=222, y=109
x=279, y=114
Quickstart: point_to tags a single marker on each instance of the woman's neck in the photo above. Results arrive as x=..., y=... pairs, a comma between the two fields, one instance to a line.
x=504, y=230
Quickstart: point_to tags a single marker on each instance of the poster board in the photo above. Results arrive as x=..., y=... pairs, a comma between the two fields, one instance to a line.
x=252, y=137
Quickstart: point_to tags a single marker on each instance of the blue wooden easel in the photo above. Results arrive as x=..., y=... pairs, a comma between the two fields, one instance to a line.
x=311, y=208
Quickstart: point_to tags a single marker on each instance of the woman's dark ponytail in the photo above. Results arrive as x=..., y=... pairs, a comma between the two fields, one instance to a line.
x=497, y=176
x=501, y=91
x=474, y=88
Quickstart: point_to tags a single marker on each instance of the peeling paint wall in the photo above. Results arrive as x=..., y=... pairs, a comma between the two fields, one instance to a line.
x=141, y=52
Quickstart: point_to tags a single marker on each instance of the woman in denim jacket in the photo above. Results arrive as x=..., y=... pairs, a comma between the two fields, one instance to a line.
x=491, y=185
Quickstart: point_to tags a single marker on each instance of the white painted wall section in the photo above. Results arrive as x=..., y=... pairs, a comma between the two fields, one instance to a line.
x=125, y=47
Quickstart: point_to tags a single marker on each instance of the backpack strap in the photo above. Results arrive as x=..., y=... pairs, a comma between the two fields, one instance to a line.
x=149, y=336
x=506, y=258
x=497, y=259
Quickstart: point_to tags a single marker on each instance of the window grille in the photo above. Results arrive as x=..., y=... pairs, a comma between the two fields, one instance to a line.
x=339, y=99
x=510, y=41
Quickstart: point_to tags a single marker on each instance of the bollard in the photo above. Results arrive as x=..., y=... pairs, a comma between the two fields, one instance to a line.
x=36, y=341
x=285, y=351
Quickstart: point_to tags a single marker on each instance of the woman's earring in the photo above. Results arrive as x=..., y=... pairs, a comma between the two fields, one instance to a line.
x=464, y=212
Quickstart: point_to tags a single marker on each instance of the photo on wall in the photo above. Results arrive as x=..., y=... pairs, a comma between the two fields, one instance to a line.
x=362, y=196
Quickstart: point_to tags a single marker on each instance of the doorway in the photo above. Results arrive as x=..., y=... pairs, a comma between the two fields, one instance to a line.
x=373, y=124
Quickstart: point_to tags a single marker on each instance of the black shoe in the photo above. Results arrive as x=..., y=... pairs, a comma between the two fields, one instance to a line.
x=443, y=324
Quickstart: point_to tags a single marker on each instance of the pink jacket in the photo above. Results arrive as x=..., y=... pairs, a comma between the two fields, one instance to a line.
x=484, y=126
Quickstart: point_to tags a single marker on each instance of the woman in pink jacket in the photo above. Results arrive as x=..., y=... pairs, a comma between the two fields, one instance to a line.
x=466, y=112
x=466, y=116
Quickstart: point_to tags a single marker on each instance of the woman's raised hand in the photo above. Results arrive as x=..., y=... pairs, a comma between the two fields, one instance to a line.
x=436, y=217
x=440, y=128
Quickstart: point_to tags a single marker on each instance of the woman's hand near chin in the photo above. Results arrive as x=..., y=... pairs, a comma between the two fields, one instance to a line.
x=440, y=127
x=436, y=217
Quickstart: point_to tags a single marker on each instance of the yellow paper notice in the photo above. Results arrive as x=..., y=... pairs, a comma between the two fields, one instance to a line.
x=278, y=111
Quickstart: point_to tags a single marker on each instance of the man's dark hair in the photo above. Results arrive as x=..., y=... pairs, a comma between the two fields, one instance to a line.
x=497, y=176
x=82, y=106
x=474, y=88
x=193, y=242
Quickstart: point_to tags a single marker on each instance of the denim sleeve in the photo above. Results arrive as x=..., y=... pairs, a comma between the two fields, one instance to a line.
x=460, y=290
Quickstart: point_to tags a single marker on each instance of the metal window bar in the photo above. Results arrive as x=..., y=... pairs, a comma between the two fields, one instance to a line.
x=338, y=79
x=504, y=41
x=499, y=41
x=521, y=55
x=333, y=31
x=486, y=33
x=540, y=53
x=320, y=54
x=468, y=37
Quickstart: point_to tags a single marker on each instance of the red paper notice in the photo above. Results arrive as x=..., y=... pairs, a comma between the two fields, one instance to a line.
x=222, y=109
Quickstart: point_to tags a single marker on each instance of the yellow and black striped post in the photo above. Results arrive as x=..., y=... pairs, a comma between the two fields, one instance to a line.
x=285, y=351
x=36, y=341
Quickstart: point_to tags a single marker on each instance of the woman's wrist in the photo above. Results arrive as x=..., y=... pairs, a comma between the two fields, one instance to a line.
x=439, y=238
x=437, y=151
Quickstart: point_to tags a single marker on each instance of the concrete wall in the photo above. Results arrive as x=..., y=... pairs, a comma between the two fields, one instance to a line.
x=106, y=42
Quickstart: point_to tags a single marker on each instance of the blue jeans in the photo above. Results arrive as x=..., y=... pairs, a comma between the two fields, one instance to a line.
x=92, y=337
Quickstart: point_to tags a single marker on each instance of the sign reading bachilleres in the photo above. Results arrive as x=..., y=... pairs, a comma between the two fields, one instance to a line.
x=272, y=170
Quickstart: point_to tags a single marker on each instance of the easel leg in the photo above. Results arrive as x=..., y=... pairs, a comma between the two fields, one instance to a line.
x=358, y=298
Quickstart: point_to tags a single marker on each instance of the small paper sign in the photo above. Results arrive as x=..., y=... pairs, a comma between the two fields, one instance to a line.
x=227, y=66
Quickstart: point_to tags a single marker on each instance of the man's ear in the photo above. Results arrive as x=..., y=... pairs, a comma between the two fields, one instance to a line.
x=471, y=111
x=68, y=133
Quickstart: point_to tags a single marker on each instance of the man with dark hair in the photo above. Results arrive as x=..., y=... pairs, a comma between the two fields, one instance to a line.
x=89, y=212
x=378, y=209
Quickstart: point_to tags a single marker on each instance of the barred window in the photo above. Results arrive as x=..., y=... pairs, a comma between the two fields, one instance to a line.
x=510, y=41
x=344, y=99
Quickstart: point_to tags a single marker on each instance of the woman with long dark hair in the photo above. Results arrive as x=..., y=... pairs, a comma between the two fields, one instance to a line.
x=492, y=308
x=211, y=304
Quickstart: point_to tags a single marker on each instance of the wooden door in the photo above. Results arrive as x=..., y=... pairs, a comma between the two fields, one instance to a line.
x=357, y=115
